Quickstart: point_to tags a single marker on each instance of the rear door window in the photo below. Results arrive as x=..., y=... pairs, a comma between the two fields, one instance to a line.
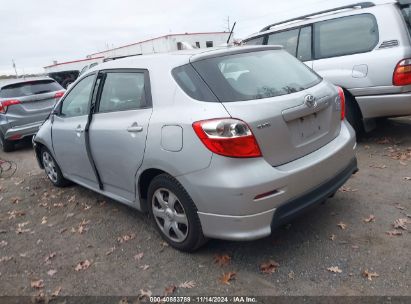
x=345, y=36
x=255, y=75
x=123, y=91
x=288, y=39
x=255, y=41
x=406, y=12
x=304, y=52
x=30, y=88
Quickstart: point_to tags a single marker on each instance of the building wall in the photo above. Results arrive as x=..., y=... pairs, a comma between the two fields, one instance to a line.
x=163, y=44
x=70, y=66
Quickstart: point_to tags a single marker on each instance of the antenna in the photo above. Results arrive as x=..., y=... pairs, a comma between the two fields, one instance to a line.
x=231, y=33
x=14, y=66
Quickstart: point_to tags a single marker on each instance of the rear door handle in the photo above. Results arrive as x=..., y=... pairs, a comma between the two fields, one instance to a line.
x=135, y=128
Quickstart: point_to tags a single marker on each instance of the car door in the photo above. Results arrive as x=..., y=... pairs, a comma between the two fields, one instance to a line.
x=118, y=129
x=68, y=133
x=341, y=50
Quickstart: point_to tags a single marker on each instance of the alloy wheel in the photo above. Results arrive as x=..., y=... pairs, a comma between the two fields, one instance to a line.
x=170, y=215
x=50, y=166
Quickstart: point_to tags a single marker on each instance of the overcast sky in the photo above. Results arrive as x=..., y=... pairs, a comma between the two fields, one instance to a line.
x=36, y=32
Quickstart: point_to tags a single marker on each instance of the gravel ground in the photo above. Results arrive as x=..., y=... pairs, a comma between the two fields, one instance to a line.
x=46, y=232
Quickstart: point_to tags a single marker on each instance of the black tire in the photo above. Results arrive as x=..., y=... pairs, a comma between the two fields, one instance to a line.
x=194, y=238
x=353, y=115
x=6, y=145
x=58, y=180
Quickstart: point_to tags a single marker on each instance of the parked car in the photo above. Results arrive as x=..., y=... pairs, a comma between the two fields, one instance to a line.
x=24, y=105
x=206, y=154
x=64, y=78
x=364, y=48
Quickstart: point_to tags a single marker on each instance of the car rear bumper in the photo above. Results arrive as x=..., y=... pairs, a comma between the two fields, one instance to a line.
x=390, y=105
x=226, y=193
x=22, y=131
x=261, y=225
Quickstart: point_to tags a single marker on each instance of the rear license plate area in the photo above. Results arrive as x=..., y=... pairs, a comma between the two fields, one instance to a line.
x=306, y=129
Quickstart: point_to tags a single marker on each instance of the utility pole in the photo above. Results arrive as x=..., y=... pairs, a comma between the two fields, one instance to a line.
x=228, y=29
x=14, y=66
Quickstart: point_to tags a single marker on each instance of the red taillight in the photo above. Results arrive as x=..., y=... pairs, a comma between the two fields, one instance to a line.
x=7, y=103
x=58, y=95
x=227, y=137
x=342, y=102
x=402, y=73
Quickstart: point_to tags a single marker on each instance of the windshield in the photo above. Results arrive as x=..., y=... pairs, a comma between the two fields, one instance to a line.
x=255, y=75
x=29, y=88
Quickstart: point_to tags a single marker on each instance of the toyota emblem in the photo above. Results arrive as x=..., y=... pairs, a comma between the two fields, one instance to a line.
x=310, y=101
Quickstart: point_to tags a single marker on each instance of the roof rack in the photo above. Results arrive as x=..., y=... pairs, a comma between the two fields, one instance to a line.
x=357, y=5
x=119, y=57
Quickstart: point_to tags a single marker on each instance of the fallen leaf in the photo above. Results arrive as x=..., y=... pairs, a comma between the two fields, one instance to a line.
x=83, y=265
x=407, y=178
x=62, y=230
x=394, y=233
x=44, y=220
x=48, y=258
x=145, y=267
x=126, y=238
x=72, y=199
x=37, y=284
x=333, y=237
x=111, y=250
x=398, y=206
x=187, y=284
x=5, y=259
x=400, y=224
x=3, y=243
x=24, y=254
x=334, y=269
x=15, y=200
x=269, y=267
x=56, y=292
x=227, y=277
x=59, y=205
x=370, y=219
x=14, y=214
x=145, y=294
x=82, y=228
x=139, y=256
x=384, y=141
x=378, y=166
x=369, y=275
x=347, y=189
x=169, y=290
x=342, y=225
x=291, y=275
x=222, y=260
x=51, y=272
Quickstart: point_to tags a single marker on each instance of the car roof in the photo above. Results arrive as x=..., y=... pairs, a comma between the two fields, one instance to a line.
x=178, y=58
x=6, y=82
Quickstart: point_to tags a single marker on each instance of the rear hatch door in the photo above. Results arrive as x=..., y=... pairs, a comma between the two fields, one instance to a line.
x=290, y=110
x=37, y=99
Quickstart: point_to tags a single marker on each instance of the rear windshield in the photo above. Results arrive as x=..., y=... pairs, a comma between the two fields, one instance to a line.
x=255, y=75
x=29, y=88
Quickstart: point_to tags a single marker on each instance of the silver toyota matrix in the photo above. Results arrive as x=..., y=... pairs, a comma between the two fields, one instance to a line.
x=225, y=143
